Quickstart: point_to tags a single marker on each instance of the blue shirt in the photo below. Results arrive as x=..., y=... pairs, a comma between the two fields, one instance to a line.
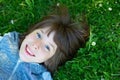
x=11, y=68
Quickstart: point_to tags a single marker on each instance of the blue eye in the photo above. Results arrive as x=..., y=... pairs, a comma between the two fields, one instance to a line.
x=47, y=47
x=38, y=35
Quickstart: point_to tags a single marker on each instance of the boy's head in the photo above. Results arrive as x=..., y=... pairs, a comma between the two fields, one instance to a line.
x=68, y=37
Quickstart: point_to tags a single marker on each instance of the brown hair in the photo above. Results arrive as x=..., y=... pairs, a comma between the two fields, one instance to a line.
x=69, y=37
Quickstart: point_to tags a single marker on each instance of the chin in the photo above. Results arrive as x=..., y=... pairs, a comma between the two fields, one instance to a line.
x=22, y=58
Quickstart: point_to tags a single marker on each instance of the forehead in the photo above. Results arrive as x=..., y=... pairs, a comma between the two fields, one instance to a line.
x=47, y=31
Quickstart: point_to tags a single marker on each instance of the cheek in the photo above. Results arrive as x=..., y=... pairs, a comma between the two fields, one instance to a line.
x=30, y=37
x=43, y=54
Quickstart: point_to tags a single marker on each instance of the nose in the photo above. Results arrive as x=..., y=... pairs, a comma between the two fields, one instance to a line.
x=36, y=45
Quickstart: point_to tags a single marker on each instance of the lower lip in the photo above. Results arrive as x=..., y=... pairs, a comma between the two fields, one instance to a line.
x=28, y=52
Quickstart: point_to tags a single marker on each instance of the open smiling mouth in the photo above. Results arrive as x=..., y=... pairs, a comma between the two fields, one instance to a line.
x=28, y=51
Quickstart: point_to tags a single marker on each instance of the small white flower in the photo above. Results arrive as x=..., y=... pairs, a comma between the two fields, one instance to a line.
x=102, y=79
x=58, y=4
x=119, y=13
x=107, y=2
x=110, y=9
x=116, y=2
x=12, y=21
x=93, y=43
x=22, y=4
x=117, y=24
x=100, y=5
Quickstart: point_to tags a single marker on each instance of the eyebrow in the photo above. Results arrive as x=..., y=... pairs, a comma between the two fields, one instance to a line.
x=42, y=31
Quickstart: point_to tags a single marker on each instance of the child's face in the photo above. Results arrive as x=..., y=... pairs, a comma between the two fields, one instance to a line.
x=38, y=46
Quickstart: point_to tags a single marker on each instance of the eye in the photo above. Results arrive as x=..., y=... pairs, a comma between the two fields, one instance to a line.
x=47, y=47
x=38, y=35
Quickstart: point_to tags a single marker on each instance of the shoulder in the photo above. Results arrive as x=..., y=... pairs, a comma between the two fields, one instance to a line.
x=9, y=40
x=38, y=71
x=12, y=36
x=1, y=38
x=46, y=76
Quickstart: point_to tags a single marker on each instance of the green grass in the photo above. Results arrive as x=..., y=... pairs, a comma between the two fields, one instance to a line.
x=100, y=61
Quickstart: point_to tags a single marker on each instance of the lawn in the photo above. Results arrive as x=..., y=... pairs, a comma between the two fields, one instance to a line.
x=100, y=59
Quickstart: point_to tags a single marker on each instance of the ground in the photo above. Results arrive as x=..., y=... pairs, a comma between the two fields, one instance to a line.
x=100, y=59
